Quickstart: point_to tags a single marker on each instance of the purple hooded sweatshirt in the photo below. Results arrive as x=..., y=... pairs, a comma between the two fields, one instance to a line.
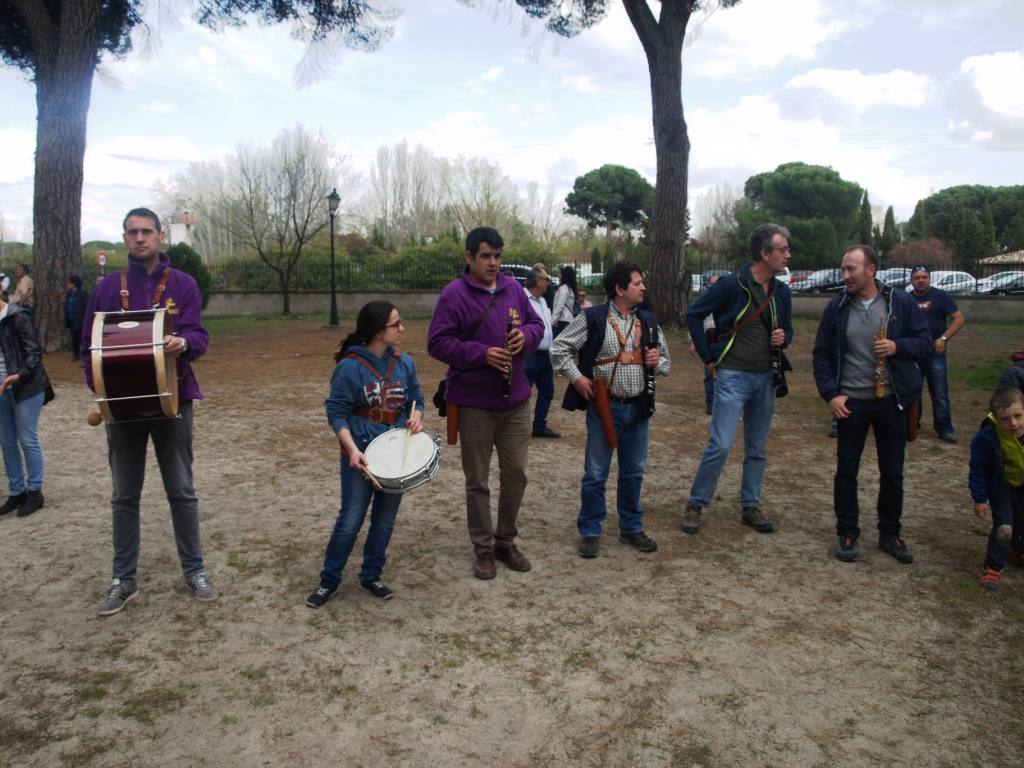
x=184, y=304
x=471, y=381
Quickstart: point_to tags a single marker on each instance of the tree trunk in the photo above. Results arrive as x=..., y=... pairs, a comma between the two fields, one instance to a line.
x=663, y=44
x=63, y=77
x=284, y=280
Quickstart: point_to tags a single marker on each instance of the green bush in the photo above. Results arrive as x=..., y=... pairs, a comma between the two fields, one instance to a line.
x=185, y=258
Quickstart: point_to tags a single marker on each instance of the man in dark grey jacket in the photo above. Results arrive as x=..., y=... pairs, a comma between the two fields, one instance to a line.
x=869, y=380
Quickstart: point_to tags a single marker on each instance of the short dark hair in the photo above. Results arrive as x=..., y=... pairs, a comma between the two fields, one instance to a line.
x=480, y=235
x=762, y=236
x=75, y=280
x=25, y=267
x=1005, y=396
x=535, y=276
x=144, y=213
x=619, y=275
x=870, y=257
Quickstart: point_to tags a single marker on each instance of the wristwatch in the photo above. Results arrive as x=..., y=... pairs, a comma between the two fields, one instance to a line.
x=943, y=338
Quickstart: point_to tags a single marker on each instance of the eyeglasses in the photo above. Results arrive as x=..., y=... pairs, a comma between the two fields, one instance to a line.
x=397, y=324
x=781, y=248
x=136, y=232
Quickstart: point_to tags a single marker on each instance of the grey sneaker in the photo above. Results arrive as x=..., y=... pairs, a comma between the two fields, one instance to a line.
x=201, y=587
x=691, y=518
x=1004, y=533
x=754, y=517
x=118, y=593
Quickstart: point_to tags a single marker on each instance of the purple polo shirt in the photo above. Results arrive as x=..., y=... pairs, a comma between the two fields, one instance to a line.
x=184, y=304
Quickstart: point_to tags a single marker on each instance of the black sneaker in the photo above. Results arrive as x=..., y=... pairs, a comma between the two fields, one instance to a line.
x=546, y=432
x=947, y=437
x=377, y=588
x=588, y=547
x=321, y=595
x=691, y=519
x=640, y=540
x=33, y=503
x=896, y=547
x=847, y=549
x=12, y=503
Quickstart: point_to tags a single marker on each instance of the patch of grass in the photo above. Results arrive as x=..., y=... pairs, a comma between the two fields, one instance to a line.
x=252, y=674
x=91, y=693
x=693, y=755
x=139, y=712
x=92, y=712
x=85, y=755
x=578, y=658
x=983, y=375
x=244, y=565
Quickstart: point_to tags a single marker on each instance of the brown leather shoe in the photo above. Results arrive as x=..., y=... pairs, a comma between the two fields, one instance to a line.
x=513, y=558
x=483, y=566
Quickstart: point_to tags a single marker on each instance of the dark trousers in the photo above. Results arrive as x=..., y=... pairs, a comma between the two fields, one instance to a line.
x=540, y=372
x=1007, y=510
x=172, y=442
x=889, y=424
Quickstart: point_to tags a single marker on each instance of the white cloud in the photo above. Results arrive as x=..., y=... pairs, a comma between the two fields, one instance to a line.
x=161, y=106
x=207, y=55
x=998, y=79
x=478, y=84
x=754, y=36
x=987, y=102
x=580, y=83
x=861, y=91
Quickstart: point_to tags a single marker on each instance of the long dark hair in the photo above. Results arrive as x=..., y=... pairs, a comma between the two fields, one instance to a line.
x=371, y=320
x=568, y=277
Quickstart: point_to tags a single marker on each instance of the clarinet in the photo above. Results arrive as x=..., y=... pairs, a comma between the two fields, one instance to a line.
x=776, y=356
x=880, y=364
x=506, y=376
x=651, y=342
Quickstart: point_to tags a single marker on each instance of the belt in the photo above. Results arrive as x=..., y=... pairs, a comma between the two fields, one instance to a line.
x=626, y=400
x=378, y=415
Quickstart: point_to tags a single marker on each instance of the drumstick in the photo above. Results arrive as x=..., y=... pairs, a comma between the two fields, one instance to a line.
x=94, y=419
x=372, y=479
x=405, y=445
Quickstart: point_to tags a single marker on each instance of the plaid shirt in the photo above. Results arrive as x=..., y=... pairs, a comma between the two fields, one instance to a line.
x=629, y=379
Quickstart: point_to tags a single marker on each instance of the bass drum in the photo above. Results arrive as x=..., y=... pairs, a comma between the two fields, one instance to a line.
x=134, y=380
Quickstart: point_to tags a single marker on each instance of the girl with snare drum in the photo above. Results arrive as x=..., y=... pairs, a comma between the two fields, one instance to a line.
x=373, y=388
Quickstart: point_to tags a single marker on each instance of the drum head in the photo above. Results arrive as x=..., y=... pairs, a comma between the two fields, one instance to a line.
x=385, y=452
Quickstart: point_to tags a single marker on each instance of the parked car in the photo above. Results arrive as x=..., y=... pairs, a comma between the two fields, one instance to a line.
x=958, y=283
x=822, y=281
x=785, y=276
x=986, y=284
x=1012, y=285
x=521, y=271
x=797, y=275
x=897, y=277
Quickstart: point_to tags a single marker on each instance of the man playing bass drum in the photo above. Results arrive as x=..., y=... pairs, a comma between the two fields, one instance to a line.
x=620, y=348
x=150, y=283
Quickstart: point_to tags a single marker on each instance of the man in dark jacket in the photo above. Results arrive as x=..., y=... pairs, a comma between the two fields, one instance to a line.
x=753, y=314
x=75, y=302
x=869, y=379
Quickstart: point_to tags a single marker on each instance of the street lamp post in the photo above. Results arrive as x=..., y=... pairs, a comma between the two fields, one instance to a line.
x=333, y=200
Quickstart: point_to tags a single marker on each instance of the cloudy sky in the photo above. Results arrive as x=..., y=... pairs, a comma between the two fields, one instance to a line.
x=905, y=98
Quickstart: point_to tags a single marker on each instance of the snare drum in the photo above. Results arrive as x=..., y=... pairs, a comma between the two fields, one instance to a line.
x=132, y=376
x=385, y=454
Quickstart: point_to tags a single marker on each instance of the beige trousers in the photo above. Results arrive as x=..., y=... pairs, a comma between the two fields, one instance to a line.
x=480, y=432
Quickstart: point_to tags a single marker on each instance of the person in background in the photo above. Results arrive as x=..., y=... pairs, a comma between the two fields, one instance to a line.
x=538, y=362
x=567, y=304
x=24, y=390
x=374, y=388
x=24, y=290
x=75, y=302
x=996, y=480
x=939, y=308
x=712, y=336
x=585, y=303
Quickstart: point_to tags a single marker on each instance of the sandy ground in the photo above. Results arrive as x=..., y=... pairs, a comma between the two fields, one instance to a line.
x=725, y=649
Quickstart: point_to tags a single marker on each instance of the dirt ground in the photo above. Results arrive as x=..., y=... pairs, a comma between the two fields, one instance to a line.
x=725, y=649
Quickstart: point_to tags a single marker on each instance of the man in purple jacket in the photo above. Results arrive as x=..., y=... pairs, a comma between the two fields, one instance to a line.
x=482, y=328
x=152, y=283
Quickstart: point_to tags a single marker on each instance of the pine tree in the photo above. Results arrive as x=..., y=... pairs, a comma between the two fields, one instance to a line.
x=890, y=233
x=916, y=227
x=864, y=220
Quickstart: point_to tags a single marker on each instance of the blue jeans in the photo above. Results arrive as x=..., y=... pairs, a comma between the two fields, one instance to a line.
x=540, y=372
x=934, y=369
x=356, y=496
x=19, y=423
x=631, y=430
x=752, y=396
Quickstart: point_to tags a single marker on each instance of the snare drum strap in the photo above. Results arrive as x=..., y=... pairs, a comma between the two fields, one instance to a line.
x=157, y=294
x=387, y=374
